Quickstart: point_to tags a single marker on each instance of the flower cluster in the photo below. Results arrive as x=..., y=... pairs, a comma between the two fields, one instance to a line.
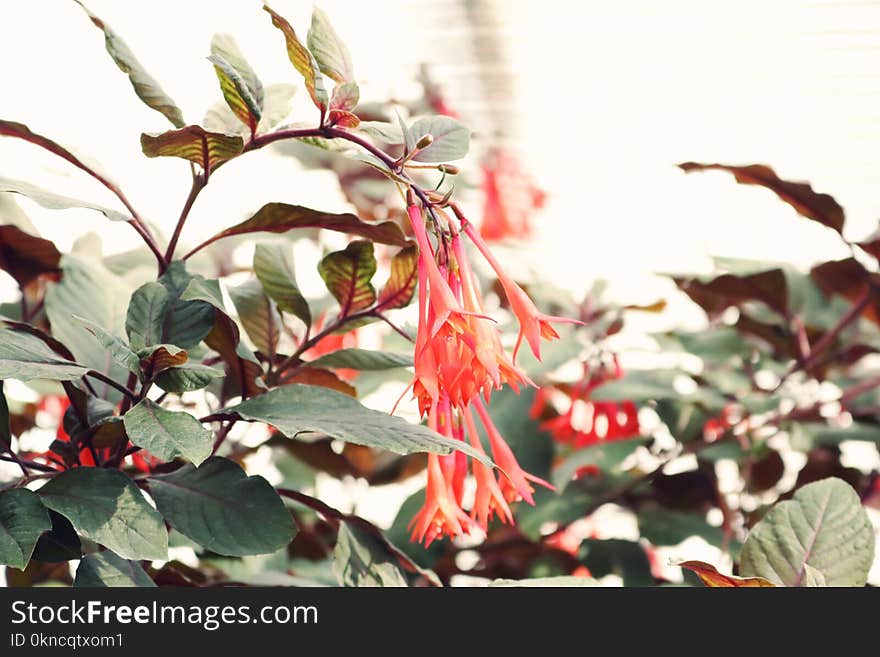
x=459, y=361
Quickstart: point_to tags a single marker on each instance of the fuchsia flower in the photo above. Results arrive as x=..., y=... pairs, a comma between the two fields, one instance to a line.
x=459, y=361
x=533, y=324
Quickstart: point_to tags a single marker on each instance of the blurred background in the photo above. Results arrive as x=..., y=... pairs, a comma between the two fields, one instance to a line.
x=598, y=100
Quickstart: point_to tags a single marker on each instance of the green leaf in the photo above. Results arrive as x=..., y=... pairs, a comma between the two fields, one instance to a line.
x=362, y=359
x=167, y=434
x=388, y=132
x=105, y=506
x=281, y=218
x=667, y=527
x=146, y=88
x=360, y=559
x=812, y=205
x=187, y=378
x=650, y=385
x=451, y=139
x=59, y=544
x=241, y=87
x=145, y=319
x=273, y=265
x=409, y=139
x=544, y=582
x=302, y=60
x=26, y=357
x=823, y=434
x=22, y=519
x=219, y=507
x=626, y=559
x=824, y=526
x=106, y=569
x=26, y=257
x=297, y=409
x=606, y=456
x=257, y=315
x=328, y=49
x=347, y=275
x=401, y=284
x=244, y=370
x=117, y=349
x=157, y=314
x=88, y=290
x=53, y=201
x=193, y=143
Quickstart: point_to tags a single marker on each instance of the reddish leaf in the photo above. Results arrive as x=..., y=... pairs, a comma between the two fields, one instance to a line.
x=402, y=280
x=812, y=205
x=162, y=358
x=849, y=279
x=244, y=375
x=302, y=61
x=21, y=131
x=193, y=143
x=348, y=274
x=25, y=257
x=281, y=217
x=718, y=294
x=713, y=579
x=343, y=119
x=317, y=377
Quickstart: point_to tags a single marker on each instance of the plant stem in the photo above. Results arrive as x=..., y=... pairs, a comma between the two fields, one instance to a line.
x=828, y=338
x=113, y=384
x=198, y=184
x=33, y=465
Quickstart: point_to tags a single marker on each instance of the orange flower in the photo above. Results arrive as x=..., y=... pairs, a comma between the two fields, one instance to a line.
x=533, y=324
x=489, y=499
x=441, y=515
x=515, y=481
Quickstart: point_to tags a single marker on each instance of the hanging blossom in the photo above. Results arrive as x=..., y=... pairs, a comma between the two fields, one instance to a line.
x=459, y=361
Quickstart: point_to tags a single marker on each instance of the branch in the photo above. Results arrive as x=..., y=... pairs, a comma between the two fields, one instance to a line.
x=198, y=184
x=113, y=384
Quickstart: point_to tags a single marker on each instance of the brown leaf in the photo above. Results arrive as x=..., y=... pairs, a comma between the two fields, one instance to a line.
x=25, y=257
x=163, y=358
x=243, y=375
x=282, y=217
x=849, y=279
x=713, y=579
x=721, y=292
x=314, y=376
x=800, y=195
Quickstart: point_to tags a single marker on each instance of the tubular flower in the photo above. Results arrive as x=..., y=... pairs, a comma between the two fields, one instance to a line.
x=533, y=324
x=459, y=361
